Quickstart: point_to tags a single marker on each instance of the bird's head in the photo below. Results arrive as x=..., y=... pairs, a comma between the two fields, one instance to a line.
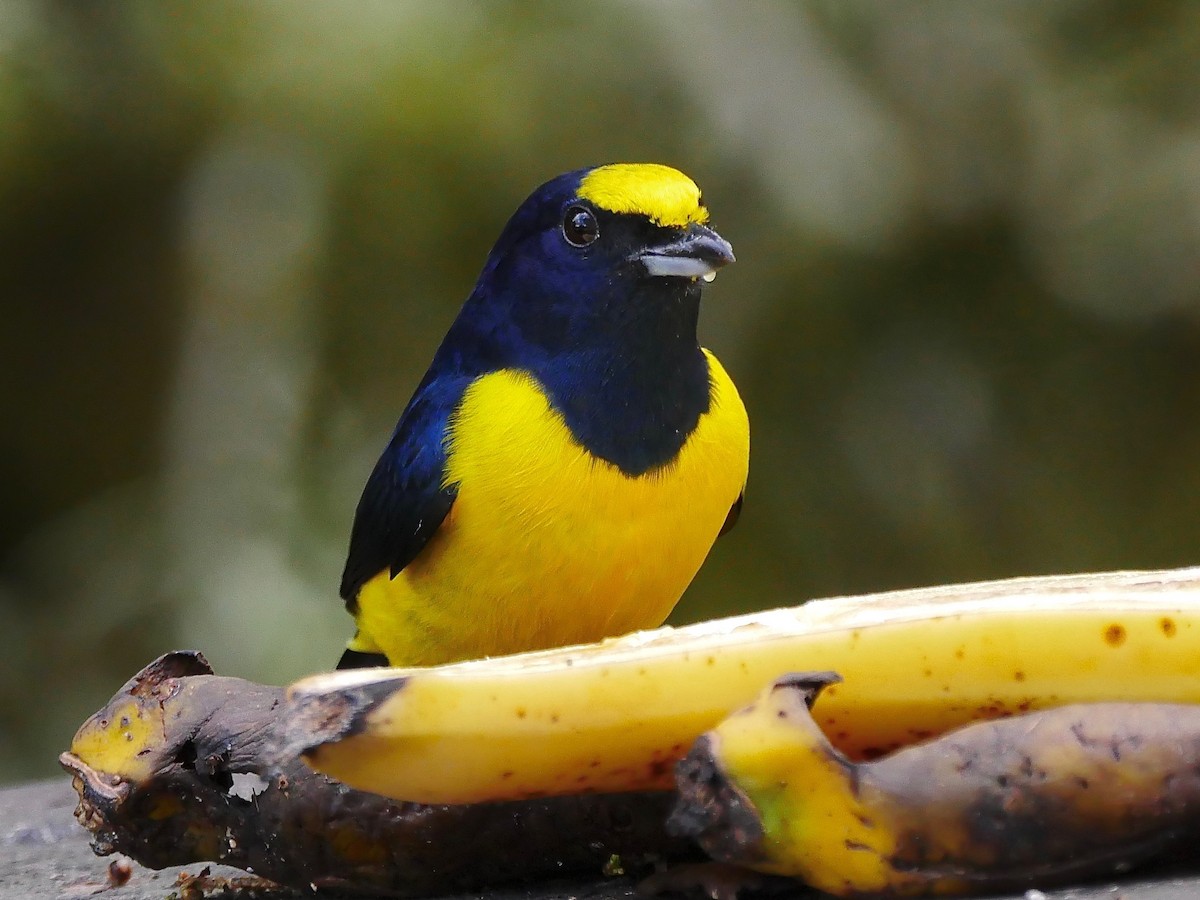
x=602, y=250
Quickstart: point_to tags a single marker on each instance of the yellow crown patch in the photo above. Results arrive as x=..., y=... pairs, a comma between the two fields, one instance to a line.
x=665, y=195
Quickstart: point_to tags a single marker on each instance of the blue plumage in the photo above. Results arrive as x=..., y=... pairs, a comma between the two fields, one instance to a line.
x=404, y=501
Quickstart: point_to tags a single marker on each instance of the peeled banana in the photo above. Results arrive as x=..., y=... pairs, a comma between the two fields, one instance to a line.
x=617, y=715
x=1031, y=801
x=183, y=766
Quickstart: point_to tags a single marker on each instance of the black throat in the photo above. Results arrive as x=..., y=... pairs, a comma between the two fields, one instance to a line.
x=634, y=388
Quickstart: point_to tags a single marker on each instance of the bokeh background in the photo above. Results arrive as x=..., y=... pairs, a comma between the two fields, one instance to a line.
x=965, y=315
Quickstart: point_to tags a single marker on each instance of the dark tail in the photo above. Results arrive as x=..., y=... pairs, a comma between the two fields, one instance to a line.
x=353, y=659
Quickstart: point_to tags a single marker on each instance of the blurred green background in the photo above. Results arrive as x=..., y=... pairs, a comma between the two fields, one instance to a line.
x=964, y=315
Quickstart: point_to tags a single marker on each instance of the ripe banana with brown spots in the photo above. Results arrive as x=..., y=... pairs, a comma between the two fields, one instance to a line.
x=617, y=715
x=1031, y=801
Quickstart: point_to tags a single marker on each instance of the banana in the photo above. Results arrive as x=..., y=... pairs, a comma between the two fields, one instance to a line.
x=1034, y=800
x=617, y=715
x=182, y=766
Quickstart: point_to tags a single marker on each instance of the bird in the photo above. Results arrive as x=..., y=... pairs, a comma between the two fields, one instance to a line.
x=572, y=453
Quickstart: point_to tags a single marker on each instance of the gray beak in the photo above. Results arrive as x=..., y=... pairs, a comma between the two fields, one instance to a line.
x=697, y=254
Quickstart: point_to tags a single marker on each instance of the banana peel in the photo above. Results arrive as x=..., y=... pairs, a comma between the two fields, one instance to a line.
x=618, y=715
x=184, y=766
x=1032, y=801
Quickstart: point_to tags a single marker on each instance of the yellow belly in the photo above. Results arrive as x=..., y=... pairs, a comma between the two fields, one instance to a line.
x=547, y=545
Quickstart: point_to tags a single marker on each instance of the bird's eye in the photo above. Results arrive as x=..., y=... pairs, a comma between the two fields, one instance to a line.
x=580, y=227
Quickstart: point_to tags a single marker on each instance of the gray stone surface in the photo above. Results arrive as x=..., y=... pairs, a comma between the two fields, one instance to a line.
x=45, y=854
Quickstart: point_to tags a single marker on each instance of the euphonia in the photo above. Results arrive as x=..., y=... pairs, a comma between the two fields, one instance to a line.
x=572, y=453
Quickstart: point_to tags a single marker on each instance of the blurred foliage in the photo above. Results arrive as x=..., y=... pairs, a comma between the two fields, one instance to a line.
x=964, y=316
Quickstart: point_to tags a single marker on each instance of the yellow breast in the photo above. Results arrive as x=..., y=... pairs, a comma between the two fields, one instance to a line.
x=548, y=545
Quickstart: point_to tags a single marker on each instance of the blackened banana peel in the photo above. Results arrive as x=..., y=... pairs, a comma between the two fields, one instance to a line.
x=184, y=766
x=1032, y=801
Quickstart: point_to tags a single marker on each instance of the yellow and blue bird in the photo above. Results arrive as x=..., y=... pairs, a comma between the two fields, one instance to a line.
x=572, y=453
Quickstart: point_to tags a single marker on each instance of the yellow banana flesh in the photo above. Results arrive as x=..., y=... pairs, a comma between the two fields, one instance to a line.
x=617, y=715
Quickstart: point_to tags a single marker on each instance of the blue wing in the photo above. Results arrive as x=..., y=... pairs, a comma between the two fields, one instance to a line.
x=404, y=501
